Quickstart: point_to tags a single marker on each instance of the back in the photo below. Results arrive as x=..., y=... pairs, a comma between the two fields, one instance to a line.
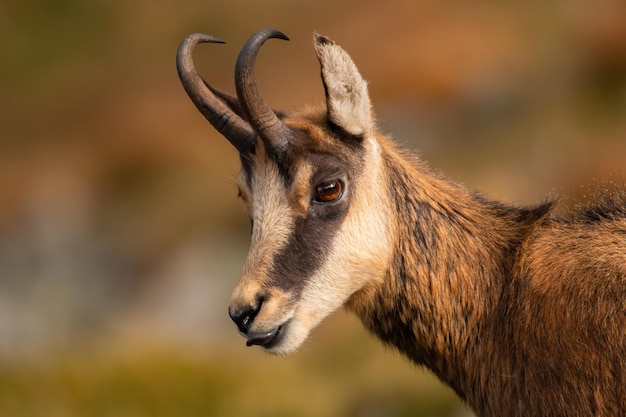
x=567, y=306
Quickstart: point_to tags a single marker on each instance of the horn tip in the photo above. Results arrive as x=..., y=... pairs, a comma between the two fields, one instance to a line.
x=209, y=39
x=277, y=34
x=203, y=38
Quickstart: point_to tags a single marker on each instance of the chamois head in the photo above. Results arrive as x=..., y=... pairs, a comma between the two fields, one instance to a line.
x=311, y=185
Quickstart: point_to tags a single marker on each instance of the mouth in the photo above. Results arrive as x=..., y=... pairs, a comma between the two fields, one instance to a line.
x=269, y=339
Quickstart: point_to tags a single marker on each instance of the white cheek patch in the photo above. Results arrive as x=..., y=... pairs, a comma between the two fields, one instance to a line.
x=359, y=254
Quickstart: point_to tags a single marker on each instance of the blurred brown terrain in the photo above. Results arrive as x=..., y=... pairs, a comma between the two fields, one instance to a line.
x=120, y=232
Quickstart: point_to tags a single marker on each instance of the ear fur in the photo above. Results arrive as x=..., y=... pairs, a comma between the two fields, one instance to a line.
x=347, y=99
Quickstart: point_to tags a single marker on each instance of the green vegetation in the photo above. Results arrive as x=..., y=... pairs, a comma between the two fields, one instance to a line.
x=328, y=381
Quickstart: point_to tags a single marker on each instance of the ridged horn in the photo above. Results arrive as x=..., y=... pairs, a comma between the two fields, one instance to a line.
x=238, y=132
x=260, y=116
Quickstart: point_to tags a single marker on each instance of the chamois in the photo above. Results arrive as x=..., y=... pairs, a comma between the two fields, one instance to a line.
x=521, y=311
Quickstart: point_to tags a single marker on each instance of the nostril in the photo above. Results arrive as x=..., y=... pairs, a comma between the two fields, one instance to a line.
x=244, y=317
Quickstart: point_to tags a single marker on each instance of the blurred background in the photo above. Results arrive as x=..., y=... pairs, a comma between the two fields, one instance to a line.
x=121, y=236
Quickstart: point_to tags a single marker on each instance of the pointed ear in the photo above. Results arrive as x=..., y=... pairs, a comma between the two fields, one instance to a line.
x=347, y=99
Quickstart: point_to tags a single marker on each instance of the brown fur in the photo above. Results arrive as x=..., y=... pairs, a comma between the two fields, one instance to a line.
x=519, y=312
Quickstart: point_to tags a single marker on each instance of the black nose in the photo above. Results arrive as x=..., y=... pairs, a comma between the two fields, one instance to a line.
x=244, y=317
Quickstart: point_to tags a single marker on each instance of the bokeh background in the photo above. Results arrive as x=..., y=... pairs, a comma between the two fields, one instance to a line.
x=120, y=232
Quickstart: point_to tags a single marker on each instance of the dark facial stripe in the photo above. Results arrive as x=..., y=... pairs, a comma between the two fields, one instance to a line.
x=308, y=245
x=311, y=240
x=284, y=162
x=246, y=164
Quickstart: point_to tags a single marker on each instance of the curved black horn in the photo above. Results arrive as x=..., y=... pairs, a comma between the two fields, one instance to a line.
x=228, y=123
x=260, y=116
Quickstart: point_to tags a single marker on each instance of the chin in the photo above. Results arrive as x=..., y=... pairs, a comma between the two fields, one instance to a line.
x=291, y=337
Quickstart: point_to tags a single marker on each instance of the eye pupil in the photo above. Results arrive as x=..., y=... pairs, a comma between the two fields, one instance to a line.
x=328, y=191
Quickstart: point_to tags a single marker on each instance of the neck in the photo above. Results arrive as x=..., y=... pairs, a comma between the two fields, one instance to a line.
x=453, y=256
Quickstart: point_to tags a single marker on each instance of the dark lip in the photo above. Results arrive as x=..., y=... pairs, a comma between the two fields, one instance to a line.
x=269, y=339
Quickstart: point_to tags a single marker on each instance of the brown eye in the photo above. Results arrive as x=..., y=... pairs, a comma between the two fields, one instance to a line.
x=328, y=191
